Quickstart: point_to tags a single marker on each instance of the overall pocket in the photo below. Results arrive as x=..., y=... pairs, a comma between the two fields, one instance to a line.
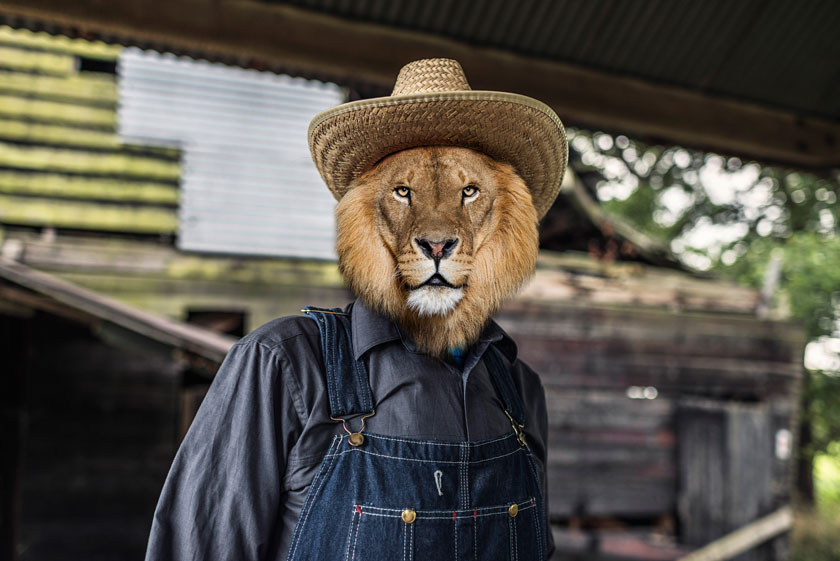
x=509, y=532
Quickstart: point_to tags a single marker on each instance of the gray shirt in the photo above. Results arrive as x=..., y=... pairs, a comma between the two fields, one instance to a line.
x=239, y=480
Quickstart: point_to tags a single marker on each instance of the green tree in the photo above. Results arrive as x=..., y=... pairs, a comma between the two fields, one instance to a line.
x=726, y=215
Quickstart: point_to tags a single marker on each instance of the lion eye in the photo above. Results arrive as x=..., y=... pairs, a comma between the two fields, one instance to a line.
x=469, y=191
x=402, y=191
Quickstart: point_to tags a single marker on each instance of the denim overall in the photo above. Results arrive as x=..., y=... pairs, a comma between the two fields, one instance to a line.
x=378, y=497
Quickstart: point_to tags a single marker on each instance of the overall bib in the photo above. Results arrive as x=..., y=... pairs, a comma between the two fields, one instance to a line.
x=378, y=497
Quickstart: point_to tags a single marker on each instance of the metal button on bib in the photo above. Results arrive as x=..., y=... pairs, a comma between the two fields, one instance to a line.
x=409, y=516
x=356, y=439
x=513, y=510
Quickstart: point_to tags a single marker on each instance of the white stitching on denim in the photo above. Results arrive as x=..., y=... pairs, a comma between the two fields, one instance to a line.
x=405, y=538
x=466, y=477
x=510, y=538
x=461, y=481
x=307, y=506
x=515, y=539
x=444, y=514
x=349, y=537
x=411, y=542
x=449, y=444
x=356, y=537
x=534, y=471
x=455, y=527
x=539, y=533
x=523, y=505
x=359, y=450
x=475, y=536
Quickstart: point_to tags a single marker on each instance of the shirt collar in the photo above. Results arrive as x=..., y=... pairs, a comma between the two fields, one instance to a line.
x=371, y=329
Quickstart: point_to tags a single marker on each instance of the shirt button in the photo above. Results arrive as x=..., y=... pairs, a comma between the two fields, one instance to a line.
x=409, y=516
x=513, y=510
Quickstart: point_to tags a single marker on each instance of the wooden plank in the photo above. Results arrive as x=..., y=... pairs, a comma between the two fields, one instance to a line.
x=67, y=186
x=671, y=373
x=75, y=137
x=40, y=40
x=31, y=211
x=609, y=455
x=615, y=544
x=32, y=61
x=166, y=331
x=656, y=290
x=90, y=163
x=318, y=43
x=87, y=88
x=54, y=112
x=118, y=261
x=609, y=490
x=56, y=135
x=745, y=538
x=584, y=321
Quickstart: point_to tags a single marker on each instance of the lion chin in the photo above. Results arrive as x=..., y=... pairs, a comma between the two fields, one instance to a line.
x=436, y=238
x=434, y=301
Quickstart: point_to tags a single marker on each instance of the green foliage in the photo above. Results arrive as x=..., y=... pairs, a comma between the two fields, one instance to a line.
x=827, y=475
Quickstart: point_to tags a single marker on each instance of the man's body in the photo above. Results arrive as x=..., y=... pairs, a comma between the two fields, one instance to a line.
x=242, y=474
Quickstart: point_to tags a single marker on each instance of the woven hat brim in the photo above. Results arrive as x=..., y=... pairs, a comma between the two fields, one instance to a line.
x=349, y=139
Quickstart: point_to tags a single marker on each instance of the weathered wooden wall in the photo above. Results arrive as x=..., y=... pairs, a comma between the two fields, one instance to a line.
x=62, y=164
x=660, y=466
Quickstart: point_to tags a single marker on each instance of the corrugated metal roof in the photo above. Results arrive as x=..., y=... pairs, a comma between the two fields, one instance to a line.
x=775, y=52
x=248, y=185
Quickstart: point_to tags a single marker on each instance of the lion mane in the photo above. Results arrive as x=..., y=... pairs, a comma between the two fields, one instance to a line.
x=379, y=256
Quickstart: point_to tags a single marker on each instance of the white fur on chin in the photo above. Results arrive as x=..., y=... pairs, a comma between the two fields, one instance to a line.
x=434, y=300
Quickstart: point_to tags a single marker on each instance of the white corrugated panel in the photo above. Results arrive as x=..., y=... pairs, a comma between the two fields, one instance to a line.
x=248, y=184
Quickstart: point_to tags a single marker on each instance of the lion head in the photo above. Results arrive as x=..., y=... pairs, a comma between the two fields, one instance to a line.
x=436, y=238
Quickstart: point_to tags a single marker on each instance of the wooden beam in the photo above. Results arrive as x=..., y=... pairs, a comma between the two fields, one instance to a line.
x=189, y=338
x=744, y=538
x=351, y=51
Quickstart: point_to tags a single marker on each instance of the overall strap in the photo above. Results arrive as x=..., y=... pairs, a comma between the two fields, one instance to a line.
x=347, y=380
x=503, y=382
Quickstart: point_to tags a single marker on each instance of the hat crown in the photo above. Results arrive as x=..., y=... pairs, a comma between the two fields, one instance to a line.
x=431, y=75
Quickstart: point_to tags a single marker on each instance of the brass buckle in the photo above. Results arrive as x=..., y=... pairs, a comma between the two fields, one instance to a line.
x=517, y=429
x=355, y=438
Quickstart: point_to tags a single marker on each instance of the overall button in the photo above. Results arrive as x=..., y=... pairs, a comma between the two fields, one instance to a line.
x=356, y=439
x=513, y=510
x=409, y=516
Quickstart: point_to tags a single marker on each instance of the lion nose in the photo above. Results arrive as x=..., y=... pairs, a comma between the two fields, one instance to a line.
x=436, y=250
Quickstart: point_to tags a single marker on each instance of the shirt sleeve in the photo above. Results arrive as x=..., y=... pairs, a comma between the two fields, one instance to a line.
x=221, y=499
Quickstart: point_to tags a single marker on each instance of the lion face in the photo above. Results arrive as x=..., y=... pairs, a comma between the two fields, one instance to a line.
x=436, y=238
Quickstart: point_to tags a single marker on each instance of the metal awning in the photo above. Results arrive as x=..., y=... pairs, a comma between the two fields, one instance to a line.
x=751, y=78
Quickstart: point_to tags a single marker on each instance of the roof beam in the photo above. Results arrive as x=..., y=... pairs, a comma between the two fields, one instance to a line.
x=344, y=50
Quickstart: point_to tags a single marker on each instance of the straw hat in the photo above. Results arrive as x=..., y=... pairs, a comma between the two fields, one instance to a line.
x=432, y=105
